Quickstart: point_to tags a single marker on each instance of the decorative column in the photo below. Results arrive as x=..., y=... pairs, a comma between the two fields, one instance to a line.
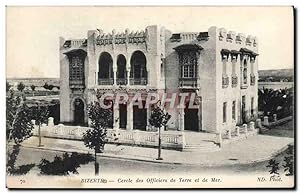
x=148, y=127
x=116, y=123
x=128, y=67
x=181, y=119
x=115, y=71
x=129, y=117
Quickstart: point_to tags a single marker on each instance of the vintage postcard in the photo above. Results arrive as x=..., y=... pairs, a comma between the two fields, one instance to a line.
x=150, y=97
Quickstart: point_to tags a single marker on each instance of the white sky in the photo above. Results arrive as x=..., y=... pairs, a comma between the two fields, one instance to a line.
x=33, y=32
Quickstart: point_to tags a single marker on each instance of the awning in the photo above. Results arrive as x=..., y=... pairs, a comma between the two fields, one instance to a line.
x=247, y=51
x=225, y=51
x=185, y=47
x=76, y=51
x=235, y=52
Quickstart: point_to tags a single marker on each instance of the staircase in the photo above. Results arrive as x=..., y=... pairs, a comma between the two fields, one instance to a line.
x=200, y=142
x=203, y=146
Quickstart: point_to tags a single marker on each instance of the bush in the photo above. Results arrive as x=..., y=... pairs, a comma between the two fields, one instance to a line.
x=64, y=165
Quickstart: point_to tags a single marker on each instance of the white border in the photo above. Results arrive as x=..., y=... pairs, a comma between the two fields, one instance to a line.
x=107, y=3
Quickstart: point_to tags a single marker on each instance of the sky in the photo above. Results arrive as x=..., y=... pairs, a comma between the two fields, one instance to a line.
x=32, y=38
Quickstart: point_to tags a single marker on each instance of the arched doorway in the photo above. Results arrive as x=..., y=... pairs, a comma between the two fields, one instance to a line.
x=105, y=74
x=78, y=111
x=191, y=118
x=138, y=72
x=121, y=70
x=140, y=117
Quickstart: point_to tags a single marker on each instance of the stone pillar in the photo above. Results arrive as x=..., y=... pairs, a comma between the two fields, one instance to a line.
x=275, y=117
x=229, y=133
x=50, y=122
x=258, y=122
x=245, y=127
x=237, y=128
x=115, y=77
x=129, y=117
x=115, y=70
x=266, y=120
x=252, y=126
x=148, y=127
x=128, y=72
x=116, y=121
x=181, y=119
x=219, y=139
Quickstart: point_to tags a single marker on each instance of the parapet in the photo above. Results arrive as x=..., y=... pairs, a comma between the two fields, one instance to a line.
x=237, y=38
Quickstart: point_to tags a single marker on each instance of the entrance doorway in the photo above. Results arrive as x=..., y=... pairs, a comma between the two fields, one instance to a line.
x=123, y=115
x=78, y=111
x=191, y=119
x=139, y=117
x=243, y=109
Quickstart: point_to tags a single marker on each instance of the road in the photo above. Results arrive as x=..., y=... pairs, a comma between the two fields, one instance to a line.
x=122, y=166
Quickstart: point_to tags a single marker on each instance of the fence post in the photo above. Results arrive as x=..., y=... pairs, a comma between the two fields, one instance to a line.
x=275, y=117
x=237, y=128
x=258, y=122
x=245, y=127
x=251, y=126
x=266, y=120
x=229, y=133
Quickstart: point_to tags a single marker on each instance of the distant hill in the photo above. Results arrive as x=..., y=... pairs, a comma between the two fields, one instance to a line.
x=276, y=73
x=33, y=81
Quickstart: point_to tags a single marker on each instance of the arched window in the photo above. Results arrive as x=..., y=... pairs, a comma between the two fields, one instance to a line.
x=138, y=73
x=121, y=70
x=76, y=67
x=105, y=74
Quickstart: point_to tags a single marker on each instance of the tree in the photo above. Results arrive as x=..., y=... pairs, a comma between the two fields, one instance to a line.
x=8, y=86
x=40, y=114
x=274, y=167
x=21, y=86
x=33, y=89
x=95, y=137
x=159, y=118
x=18, y=129
x=289, y=161
x=64, y=165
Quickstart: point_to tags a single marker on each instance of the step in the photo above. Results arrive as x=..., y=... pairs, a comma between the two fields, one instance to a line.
x=202, y=150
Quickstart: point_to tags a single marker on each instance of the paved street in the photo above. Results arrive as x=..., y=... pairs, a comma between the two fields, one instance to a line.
x=122, y=166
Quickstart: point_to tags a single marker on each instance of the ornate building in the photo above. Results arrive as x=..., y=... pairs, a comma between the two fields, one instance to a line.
x=218, y=67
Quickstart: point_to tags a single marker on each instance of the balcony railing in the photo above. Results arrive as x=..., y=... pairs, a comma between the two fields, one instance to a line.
x=189, y=82
x=138, y=81
x=234, y=81
x=76, y=83
x=121, y=81
x=105, y=81
x=225, y=81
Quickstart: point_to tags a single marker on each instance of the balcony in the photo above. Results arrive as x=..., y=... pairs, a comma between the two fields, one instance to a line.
x=225, y=81
x=234, y=81
x=189, y=83
x=78, y=83
x=121, y=81
x=105, y=81
x=252, y=80
x=138, y=81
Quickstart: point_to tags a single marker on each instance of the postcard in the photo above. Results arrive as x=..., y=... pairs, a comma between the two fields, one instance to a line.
x=117, y=97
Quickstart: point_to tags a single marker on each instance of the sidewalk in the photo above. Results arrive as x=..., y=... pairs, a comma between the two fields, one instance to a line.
x=250, y=150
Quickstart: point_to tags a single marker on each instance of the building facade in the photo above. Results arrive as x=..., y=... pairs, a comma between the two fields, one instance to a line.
x=217, y=67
